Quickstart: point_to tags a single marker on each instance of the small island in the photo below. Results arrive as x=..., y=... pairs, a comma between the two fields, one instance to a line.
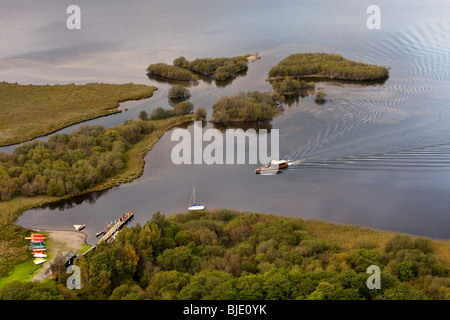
x=219, y=68
x=250, y=106
x=183, y=70
x=332, y=66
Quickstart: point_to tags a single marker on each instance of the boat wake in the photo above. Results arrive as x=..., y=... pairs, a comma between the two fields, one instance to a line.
x=419, y=159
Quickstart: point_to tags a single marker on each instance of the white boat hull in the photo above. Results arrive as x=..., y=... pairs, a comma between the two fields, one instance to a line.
x=39, y=261
x=40, y=255
x=195, y=208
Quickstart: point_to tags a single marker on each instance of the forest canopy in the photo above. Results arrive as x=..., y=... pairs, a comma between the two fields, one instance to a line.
x=332, y=66
x=68, y=163
x=223, y=254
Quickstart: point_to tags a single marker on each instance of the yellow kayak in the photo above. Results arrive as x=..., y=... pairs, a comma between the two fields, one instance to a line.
x=39, y=260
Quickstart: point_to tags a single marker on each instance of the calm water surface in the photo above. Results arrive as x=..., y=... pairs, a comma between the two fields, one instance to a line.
x=377, y=155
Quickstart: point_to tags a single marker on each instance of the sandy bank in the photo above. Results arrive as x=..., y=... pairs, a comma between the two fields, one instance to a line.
x=60, y=241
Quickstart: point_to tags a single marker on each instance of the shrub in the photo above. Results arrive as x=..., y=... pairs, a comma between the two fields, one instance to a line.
x=183, y=108
x=158, y=114
x=201, y=113
x=399, y=242
x=143, y=115
x=320, y=95
x=178, y=91
x=405, y=271
x=363, y=258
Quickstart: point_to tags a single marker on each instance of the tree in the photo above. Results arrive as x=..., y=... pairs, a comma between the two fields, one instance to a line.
x=405, y=271
x=201, y=113
x=177, y=91
x=158, y=114
x=125, y=292
x=183, y=108
x=361, y=259
x=320, y=95
x=143, y=115
x=399, y=242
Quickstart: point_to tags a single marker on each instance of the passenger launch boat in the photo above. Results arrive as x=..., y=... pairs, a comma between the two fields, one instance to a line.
x=273, y=167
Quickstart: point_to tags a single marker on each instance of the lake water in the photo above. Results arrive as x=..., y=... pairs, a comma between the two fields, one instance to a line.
x=376, y=155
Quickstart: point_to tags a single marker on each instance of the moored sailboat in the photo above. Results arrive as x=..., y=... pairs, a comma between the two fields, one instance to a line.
x=194, y=207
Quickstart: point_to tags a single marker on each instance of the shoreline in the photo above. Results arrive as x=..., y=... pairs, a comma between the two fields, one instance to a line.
x=53, y=128
x=133, y=170
x=64, y=236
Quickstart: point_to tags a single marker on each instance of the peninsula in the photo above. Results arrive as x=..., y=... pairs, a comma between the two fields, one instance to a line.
x=31, y=111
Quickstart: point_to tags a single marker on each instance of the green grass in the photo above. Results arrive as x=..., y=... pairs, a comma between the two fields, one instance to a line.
x=20, y=272
x=30, y=111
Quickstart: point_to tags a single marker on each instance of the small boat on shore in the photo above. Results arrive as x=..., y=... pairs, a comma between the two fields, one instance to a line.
x=40, y=255
x=39, y=260
x=273, y=167
x=37, y=244
x=79, y=227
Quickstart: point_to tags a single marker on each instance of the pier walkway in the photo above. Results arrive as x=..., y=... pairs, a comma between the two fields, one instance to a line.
x=111, y=233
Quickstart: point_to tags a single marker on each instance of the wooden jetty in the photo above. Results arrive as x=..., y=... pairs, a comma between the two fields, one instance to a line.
x=110, y=234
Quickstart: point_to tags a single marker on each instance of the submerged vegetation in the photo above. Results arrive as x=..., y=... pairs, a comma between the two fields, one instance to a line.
x=224, y=254
x=250, y=106
x=332, y=66
x=29, y=111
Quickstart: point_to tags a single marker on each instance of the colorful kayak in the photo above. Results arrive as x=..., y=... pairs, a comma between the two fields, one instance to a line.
x=37, y=244
x=39, y=260
x=37, y=249
x=40, y=255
